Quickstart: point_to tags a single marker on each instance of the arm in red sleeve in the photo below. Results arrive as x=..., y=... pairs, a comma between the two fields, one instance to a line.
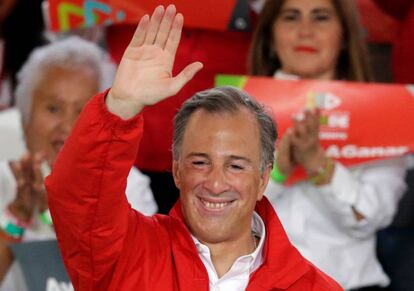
x=86, y=193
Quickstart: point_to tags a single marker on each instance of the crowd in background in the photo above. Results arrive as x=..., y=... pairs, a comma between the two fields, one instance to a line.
x=357, y=225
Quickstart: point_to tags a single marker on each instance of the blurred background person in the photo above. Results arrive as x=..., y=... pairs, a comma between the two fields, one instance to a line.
x=332, y=217
x=53, y=86
x=324, y=44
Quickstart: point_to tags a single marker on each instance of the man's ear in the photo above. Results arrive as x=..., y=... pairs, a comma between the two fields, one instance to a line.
x=176, y=173
x=264, y=179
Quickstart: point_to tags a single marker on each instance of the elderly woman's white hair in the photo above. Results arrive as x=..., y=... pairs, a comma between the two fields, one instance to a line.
x=71, y=53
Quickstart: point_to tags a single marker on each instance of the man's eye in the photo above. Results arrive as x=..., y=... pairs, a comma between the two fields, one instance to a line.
x=236, y=167
x=199, y=163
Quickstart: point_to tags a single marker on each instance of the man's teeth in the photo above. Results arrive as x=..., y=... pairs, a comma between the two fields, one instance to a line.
x=215, y=205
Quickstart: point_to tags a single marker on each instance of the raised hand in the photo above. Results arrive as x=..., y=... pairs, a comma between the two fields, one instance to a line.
x=30, y=190
x=284, y=158
x=144, y=76
x=307, y=150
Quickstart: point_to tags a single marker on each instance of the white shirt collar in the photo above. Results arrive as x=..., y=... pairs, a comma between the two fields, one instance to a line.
x=240, y=271
x=280, y=75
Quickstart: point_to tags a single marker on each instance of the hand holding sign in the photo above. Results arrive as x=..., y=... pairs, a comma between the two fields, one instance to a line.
x=144, y=76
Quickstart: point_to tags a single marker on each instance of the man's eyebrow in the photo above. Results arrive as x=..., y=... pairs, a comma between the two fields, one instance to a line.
x=235, y=157
x=196, y=154
x=231, y=157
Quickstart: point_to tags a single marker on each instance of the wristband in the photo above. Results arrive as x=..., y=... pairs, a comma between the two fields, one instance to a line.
x=46, y=218
x=278, y=176
x=323, y=172
x=11, y=225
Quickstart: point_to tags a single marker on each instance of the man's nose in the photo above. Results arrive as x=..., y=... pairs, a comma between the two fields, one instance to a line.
x=216, y=182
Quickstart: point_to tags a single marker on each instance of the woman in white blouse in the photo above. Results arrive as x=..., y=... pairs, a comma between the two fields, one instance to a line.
x=332, y=217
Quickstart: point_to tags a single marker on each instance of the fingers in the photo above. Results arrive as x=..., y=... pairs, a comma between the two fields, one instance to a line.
x=37, y=182
x=312, y=120
x=28, y=173
x=18, y=174
x=26, y=168
x=184, y=76
x=39, y=164
x=165, y=26
x=306, y=127
x=300, y=130
x=30, y=190
x=175, y=34
x=21, y=171
x=303, y=140
x=162, y=29
x=154, y=24
x=284, y=157
x=140, y=33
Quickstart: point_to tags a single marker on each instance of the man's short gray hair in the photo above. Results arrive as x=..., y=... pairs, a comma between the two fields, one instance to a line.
x=71, y=53
x=231, y=100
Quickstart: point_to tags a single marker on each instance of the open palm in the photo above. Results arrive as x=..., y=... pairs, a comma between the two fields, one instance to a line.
x=144, y=76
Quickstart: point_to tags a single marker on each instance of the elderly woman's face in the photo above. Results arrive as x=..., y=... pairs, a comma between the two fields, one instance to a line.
x=57, y=101
x=307, y=37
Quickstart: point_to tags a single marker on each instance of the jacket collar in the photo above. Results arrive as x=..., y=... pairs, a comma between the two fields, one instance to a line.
x=282, y=263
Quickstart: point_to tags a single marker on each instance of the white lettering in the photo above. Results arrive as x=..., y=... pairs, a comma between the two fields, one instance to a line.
x=338, y=120
x=331, y=101
x=332, y=135
x=348, y=151
x=353, y=151
x=333, y=151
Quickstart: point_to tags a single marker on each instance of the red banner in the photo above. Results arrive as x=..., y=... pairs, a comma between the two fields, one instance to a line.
x=359, y=122
x=71, y=14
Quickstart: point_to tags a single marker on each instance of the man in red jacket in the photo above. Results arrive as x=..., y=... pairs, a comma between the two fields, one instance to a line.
x=221, y=52
x=222, y=234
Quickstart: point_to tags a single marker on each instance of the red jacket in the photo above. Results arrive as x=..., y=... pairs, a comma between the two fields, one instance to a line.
x=106, y=245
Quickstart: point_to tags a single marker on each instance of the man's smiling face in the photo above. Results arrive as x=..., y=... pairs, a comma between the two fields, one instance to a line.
x=218, y=174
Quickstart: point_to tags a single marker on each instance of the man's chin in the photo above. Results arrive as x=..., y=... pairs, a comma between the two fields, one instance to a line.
x=208, y=229
x=211, y=235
